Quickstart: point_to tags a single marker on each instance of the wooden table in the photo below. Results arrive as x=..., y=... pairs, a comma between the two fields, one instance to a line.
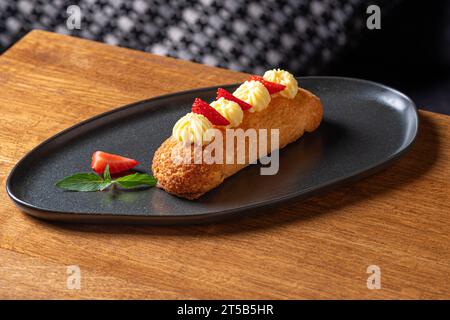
x=398, y=219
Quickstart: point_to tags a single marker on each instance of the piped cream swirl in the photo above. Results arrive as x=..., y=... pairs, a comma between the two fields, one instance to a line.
x=255, y=94
x=193, y=128
x=229, y=110
x=284, y=78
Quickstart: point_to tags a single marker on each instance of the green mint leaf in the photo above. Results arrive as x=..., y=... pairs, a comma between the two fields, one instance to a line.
x=82, y=182
x=104, y=185
x=106, y=174
x=135, y=180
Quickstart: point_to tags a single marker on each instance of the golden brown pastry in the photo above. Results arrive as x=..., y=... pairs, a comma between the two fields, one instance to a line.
x=292, y=111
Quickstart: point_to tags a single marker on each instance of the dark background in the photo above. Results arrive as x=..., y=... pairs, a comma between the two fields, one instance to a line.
x=411, y=51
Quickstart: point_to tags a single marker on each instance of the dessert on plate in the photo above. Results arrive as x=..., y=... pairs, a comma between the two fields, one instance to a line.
x=273, y=102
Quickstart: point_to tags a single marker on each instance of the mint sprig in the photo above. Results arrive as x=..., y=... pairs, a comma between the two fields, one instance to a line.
x=82, y=182
x=106, y=174
x=89, y=182
x=135, y=180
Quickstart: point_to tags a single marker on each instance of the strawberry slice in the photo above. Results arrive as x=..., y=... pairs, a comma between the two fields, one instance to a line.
x=272, y=87
x=222, y=93
x=115, y=162
x=201, y=107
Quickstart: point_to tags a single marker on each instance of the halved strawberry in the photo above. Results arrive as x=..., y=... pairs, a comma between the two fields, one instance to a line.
x=222, y=93
x=115, y=162
x=201, y=107
x=272, y=87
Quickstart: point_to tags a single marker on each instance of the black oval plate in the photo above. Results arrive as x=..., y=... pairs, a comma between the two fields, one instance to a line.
x=365, y=126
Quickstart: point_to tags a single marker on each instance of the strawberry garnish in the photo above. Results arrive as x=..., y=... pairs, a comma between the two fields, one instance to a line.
x=222, y=93
x=115, y=162
x=272, y=87
x=201, y=107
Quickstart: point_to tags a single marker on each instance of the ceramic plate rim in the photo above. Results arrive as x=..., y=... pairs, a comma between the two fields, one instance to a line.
x=192, y=218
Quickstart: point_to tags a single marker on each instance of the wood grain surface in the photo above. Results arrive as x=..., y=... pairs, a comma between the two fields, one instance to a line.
x=398, y=219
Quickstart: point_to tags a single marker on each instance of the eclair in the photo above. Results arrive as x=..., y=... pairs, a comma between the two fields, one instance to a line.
x=216, y=140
